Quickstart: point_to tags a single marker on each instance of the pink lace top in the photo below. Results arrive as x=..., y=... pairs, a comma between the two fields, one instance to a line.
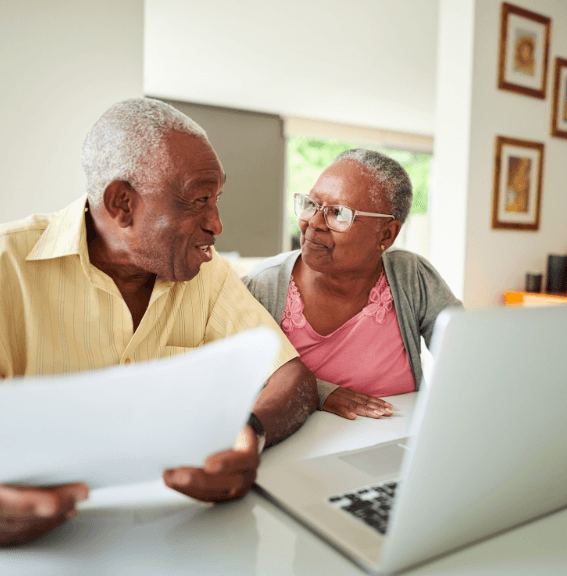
x=365, y=354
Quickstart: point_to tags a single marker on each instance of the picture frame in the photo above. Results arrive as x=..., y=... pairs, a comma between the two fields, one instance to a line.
x=559, y=114
x=518, y=175
x=524, y=51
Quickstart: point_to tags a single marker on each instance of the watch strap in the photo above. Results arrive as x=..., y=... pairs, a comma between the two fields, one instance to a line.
x=258, y=428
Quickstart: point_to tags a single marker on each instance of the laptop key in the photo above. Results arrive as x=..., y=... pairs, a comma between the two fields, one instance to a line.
x=369, y=504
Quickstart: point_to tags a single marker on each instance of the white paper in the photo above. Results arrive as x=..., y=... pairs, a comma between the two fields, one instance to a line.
x=128, y=423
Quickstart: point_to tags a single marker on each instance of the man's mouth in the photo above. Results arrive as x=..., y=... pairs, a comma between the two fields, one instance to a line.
x=206, y=252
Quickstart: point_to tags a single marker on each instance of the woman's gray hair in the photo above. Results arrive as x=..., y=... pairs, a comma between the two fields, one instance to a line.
x=119, y=145
x=388, y=175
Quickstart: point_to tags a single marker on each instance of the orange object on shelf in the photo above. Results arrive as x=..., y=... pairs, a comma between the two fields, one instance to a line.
x=513, y=298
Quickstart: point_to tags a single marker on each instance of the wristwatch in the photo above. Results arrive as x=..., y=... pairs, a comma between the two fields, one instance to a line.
x=256, y=425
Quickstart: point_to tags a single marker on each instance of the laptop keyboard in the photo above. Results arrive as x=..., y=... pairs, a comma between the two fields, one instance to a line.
x=370, y=504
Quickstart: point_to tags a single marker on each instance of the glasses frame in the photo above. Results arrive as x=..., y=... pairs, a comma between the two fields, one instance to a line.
x=325, y=209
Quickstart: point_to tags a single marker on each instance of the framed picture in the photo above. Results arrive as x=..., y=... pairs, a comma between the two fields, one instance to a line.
x=524, y=50
x=518, y=172
x=559, y=115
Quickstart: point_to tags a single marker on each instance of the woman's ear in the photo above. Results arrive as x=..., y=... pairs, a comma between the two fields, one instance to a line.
x=120, y=201
x=389, y=233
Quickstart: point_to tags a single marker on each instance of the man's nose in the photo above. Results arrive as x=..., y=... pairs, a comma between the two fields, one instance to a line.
x=213, y=222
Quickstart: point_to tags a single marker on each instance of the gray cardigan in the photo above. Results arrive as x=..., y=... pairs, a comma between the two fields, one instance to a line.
x=418, y=290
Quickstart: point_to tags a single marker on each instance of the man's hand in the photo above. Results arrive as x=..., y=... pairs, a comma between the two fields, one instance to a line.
x=26, y=513
x=225, y=476
x=348, y=404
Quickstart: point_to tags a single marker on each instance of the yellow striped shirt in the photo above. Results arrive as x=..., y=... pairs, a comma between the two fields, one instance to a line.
x=59, y=313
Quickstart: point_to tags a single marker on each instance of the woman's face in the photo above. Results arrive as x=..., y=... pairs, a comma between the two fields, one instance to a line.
x=355, y=252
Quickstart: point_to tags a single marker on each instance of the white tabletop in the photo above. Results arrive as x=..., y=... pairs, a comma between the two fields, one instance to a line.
x=147, y=529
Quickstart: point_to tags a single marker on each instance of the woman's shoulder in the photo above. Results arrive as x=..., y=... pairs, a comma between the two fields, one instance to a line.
x=404, y=258
x=409, y=267
x=412, y=272
x=269, y=282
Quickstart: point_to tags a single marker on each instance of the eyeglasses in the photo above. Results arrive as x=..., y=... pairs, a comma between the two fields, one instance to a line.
x=337, y=218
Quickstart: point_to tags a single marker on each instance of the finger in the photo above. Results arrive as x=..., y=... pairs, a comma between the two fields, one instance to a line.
x=373, y=401
x=348, y=410
x=191, y=481
x=21, y=501
x=338, y=408
x=372, y=404
x=16, y=501
x=232, y=461
x=196, y=483
x=369, y=411
x=61, y=500
x=78, y=492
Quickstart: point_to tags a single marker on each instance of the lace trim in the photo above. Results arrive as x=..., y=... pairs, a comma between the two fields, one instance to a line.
x=380, y=302
x=293, y=314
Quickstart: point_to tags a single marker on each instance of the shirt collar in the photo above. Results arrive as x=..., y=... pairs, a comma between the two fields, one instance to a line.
x=65, y=235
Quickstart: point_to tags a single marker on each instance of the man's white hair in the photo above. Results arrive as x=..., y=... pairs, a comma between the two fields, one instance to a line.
x=128, y=143
x=388, y=175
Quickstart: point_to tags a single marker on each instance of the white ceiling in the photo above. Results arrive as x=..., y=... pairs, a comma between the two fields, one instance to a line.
x=365, y=62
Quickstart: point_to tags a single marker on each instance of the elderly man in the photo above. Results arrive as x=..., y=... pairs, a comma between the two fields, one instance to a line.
x=129, y=273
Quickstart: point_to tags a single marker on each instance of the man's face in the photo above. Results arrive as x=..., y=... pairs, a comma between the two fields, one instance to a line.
x=177, y=218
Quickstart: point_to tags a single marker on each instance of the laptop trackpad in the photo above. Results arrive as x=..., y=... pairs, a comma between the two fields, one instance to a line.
x=385, y=459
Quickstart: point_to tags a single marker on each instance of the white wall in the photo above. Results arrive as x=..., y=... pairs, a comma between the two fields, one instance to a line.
x=450, y=186
x=497, y=260
x=480, y=262
x=62, y=64
x=362, y=62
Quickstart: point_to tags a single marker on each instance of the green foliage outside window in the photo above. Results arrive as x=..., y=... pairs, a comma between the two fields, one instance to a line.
x=308, y=158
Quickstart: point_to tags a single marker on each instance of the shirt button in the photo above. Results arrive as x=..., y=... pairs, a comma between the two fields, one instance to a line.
x=127, y=361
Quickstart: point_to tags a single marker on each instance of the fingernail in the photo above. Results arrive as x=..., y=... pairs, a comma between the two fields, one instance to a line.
x=181, y=477
x=82, y=494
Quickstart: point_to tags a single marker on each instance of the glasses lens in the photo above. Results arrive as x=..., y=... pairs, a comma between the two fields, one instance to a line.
x=304, y=207
x=339, y=218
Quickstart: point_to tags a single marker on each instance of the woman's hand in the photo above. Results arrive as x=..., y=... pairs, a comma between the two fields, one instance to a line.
x=348, y=404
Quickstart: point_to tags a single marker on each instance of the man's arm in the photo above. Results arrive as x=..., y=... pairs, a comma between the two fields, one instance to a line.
x=289, y=397
x=287, y=400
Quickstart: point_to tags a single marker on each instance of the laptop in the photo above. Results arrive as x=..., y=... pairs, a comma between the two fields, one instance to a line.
x=126, y=424
x=487, y=450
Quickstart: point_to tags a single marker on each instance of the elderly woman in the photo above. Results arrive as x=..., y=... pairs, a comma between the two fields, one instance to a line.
x=354, y=309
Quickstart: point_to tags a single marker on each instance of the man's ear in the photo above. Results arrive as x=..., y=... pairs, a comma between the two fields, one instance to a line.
x=389, y=233
x=120, y=201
